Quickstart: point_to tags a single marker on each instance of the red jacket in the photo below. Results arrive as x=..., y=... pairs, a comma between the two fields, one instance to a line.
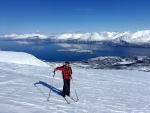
x=66, y=72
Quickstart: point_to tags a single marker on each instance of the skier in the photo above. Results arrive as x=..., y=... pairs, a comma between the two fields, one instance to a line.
x=66, y=74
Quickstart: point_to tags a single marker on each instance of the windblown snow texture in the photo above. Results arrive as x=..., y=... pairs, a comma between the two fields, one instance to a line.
x=24, y=89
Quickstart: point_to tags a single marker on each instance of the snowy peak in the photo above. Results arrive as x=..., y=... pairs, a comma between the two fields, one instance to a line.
x=102, y=36
x=143, y=36
x=141, y=33
x=119, y=37
x=137, y=38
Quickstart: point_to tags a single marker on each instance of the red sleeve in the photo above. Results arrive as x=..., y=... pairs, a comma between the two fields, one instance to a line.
x=60, y=68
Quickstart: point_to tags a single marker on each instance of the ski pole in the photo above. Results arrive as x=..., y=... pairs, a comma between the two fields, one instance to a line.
x=40, y=91
x=74, y=89
x=51, y=87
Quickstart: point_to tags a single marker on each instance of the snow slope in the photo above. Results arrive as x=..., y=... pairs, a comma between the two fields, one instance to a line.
x=20, y=58
x=24, y=89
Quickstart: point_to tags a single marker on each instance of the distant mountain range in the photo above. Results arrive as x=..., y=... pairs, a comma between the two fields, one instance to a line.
x=138, y=38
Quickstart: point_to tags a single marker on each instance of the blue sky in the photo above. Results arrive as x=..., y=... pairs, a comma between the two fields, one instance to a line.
x=58, y=16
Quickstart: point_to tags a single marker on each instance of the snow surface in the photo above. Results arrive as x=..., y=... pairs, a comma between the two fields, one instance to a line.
x=24, y=89
x=20, y=58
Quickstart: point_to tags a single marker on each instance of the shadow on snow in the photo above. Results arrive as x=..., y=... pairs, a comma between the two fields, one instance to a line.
x=55, y=90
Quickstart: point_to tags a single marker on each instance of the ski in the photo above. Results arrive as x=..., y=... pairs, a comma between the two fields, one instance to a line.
x=66, y=100
x=74, y=99
x=71, y=98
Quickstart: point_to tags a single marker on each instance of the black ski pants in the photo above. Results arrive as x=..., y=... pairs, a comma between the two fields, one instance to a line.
x=66, y=87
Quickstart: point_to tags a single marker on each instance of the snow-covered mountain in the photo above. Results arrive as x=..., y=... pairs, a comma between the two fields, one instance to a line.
x=113, y=38
x=24, y=36
x=25, y=88
x=89, y=37
x=118, y=38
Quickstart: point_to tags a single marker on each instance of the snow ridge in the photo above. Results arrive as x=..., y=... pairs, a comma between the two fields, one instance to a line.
x=20, y=58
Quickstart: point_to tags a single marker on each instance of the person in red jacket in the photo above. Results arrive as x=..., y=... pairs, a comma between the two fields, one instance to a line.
x=66, y=73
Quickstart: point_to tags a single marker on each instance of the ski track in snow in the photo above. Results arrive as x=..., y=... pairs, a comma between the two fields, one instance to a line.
x=99, y=91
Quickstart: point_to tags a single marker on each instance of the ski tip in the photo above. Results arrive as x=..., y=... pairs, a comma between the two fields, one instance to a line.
x=77, y=100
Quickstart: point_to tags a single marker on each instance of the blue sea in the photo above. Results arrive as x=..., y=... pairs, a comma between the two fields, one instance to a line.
x=48, y=50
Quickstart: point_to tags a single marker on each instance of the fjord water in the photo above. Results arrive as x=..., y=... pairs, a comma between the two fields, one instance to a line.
x=48, y=50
